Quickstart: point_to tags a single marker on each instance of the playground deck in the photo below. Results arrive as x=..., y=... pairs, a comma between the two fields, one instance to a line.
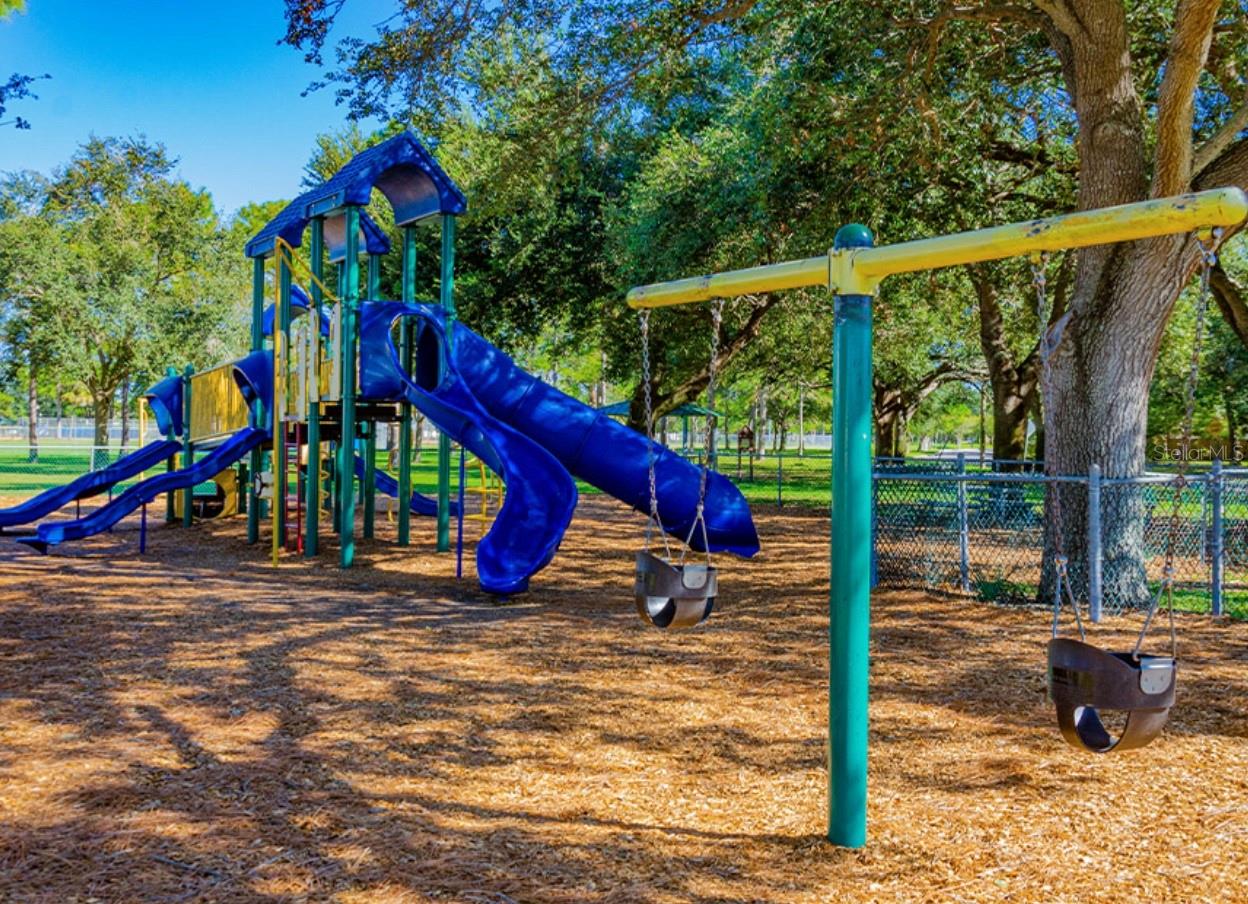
x=182, y=726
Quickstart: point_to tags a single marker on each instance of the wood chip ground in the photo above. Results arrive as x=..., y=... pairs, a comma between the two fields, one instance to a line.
x=194, y=725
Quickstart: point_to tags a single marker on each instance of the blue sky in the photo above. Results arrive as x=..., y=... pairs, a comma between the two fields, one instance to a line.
x=207, y=80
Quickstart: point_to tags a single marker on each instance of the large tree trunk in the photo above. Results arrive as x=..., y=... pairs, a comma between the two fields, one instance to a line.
x=891, y=418
x=101, y=413
x=1010, y=409
x=1122, y=294
x=32, y=410
x=1101, y=381
x=125, y=416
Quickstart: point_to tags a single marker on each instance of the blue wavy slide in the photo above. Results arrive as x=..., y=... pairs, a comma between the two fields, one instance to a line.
x=541, y=495
x=220, y=458
x=89, y=484
x=388, y=485
x=475, y=392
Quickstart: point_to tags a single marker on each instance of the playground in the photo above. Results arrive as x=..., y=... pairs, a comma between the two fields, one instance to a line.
x=179, y=727
x=512, y=500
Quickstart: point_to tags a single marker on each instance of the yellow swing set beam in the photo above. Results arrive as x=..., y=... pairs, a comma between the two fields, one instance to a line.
x=859, y=271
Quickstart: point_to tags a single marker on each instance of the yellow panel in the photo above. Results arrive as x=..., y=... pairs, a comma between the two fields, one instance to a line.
x=217, y=407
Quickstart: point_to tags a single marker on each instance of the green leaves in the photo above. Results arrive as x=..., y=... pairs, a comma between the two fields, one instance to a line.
x=112, y=270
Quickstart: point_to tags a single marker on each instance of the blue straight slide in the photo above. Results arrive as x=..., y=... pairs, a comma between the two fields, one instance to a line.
x=388, y=485
x=90, y=484
x=220, y=458
x=541, y=495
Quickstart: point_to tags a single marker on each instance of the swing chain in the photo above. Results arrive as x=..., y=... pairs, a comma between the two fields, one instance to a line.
x=653, y=520
x=708, y=433
x=1063, y=591
x=1208, y=260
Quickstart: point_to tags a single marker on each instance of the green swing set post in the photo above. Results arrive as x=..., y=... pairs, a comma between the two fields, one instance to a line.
x=447, y=299
x=853, y=270
x=405, y=409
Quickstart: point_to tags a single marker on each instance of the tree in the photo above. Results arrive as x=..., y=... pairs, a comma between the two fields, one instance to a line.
x=145, y=285
x=34, y=281
x=17, y=87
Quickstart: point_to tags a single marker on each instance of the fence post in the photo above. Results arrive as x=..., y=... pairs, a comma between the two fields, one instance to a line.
x=780, y=480
x=1218, y=544
x=1095, y=578
x=875, y=525
x=964, y=544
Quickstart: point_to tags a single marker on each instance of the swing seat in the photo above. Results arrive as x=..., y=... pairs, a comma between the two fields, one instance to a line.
x=1085, y=681
x=674, y=596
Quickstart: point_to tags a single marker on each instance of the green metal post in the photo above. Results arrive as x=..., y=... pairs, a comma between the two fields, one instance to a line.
x=369, y=486
x=405, y=409
x=170, y=464
x=337, y=492
x=444, y=441
x=370, y=478
x=312, y=482
x=346, y=456
x=188, y=452
x=849, y=622
x=258, y=413
x=374, y=277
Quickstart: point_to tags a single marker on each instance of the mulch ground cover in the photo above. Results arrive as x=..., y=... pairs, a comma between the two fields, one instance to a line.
x=195, y=725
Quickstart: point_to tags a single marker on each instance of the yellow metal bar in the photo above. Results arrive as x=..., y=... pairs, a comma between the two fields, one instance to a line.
x=284, y=249
x=790, y=275
x=1124, y=223
x=858, y=271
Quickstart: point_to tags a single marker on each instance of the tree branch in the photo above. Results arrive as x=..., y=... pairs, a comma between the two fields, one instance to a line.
x=1220, y=140
x=1189, y=49
x=1228, y=168
x=1231, y=302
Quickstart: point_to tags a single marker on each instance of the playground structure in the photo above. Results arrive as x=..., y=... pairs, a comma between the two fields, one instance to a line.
x=853, y=270
x=298, y=414
x=303, y=405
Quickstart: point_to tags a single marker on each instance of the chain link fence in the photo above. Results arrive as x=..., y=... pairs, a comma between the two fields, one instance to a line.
x=950, y=523
x=982, y=533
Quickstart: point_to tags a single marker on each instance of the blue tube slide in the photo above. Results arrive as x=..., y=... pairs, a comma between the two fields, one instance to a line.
x=603, y=452
x=541, y=495
x=229, y=452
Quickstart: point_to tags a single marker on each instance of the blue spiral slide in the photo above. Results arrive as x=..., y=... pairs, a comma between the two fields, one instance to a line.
x=537, y=438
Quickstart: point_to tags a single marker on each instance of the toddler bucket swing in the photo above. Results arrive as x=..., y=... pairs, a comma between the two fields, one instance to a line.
x=1086, y=681
x=670, y=590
